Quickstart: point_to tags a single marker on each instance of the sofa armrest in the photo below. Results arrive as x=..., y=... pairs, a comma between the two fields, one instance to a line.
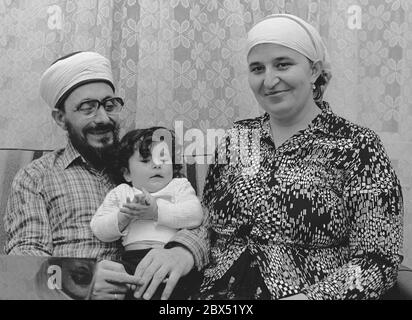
x=405, y=283
x=403, y=288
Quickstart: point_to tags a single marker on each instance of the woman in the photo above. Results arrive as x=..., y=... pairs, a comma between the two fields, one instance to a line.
x=303, y=204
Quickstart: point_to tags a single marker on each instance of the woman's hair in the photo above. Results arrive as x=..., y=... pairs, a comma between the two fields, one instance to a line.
x=142, y=140
x=320, y=86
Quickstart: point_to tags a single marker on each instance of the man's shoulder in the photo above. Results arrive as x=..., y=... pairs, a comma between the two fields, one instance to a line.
x=47, y=162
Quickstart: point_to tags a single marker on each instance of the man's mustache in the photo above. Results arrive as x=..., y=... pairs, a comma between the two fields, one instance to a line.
x=100, y=128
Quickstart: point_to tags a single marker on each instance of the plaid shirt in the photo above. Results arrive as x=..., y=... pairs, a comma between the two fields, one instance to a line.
x=52, y=202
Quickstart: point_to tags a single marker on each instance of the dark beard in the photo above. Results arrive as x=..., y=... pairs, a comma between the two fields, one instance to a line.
x=103, y=158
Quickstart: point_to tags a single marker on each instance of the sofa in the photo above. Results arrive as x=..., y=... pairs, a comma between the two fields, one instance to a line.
x=12, y=160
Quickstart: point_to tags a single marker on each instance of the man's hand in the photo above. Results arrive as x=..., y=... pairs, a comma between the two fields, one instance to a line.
x=159, y=264
x=112, y=281
x=142, y=207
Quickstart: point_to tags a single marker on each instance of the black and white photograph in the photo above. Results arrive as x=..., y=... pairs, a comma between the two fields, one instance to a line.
x=196, y=153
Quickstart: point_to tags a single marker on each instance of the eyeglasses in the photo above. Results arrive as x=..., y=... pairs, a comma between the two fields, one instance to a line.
x=112, y=106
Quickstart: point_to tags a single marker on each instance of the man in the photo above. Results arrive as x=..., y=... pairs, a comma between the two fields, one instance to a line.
x=54, y=198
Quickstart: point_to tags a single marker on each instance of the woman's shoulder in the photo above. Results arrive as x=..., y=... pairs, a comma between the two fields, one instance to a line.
x=250, y=123
x=249, y=128
x=350, y=130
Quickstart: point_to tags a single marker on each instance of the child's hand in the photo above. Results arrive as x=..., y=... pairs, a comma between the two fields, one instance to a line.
x=142, y=207
x=141, y=198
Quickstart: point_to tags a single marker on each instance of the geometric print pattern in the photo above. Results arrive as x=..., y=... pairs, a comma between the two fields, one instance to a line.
x=321, y=214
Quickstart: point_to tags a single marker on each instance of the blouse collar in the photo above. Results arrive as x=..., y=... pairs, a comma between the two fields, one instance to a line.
x=323, y=122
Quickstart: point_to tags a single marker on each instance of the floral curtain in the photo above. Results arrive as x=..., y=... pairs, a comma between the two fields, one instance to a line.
x=182, y=62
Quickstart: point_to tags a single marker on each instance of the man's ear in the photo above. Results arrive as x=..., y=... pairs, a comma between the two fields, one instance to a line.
x=59, y=116
x=316, y=70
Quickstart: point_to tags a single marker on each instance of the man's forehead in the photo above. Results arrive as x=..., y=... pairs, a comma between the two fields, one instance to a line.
x=94, y=90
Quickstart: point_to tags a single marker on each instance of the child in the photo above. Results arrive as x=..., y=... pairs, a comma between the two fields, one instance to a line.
x=157, y=201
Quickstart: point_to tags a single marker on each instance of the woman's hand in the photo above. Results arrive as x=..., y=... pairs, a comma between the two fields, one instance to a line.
x=162, y=265
x=112, y=281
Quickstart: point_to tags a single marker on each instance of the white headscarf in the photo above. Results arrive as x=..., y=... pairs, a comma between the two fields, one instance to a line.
x=292, y=32
x=65, y=75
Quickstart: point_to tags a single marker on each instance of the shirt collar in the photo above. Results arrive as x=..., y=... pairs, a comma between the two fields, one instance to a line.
x=265, y=125
x=323, y=122
x=70, y=154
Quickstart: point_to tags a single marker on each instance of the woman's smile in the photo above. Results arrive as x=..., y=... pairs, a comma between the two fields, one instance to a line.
x=276, y=93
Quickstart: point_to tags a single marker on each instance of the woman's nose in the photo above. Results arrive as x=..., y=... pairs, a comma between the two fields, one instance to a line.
x=271, y=79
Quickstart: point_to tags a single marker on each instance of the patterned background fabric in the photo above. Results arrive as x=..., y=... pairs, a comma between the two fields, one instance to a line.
x=183, y=60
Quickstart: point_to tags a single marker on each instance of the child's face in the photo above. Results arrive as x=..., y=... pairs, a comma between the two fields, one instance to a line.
x=153, y=173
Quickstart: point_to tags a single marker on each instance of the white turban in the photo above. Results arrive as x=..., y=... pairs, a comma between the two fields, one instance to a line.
x=292, y=32
x=61, y=78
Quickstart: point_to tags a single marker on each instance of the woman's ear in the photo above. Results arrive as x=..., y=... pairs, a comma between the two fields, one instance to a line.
x=316, y=70
x=59, y=116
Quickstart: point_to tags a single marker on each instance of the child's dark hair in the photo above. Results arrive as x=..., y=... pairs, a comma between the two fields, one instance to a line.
x=142, y=140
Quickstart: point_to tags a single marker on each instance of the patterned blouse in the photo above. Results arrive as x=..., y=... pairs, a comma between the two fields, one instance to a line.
x=322, y=214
